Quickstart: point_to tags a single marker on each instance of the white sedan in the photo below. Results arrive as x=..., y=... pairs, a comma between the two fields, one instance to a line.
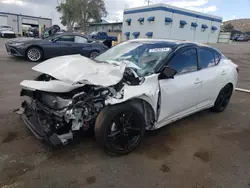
x=135, y=86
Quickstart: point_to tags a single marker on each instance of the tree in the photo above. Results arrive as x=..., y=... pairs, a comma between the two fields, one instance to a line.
x=70, y=13
x=91, y=10
x=228, y=27
x=81, y=12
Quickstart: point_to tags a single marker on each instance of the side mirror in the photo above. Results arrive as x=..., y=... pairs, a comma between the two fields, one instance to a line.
x=167, y=72
x=54, y=40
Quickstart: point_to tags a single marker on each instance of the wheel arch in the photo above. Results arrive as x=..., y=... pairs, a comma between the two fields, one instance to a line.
x=93, y=50
x=231, y=84
x=35, y=46
x=144, y=106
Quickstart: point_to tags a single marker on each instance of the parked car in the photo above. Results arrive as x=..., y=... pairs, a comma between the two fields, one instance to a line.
x=7, y=32
x=58, y=45
x=51, y=31
x=243, y=38
x=32, y=32
x=235, y=37
x=104, y=37
x=135, y=86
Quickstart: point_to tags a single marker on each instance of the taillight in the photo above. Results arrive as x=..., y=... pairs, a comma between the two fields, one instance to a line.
x=237, y=69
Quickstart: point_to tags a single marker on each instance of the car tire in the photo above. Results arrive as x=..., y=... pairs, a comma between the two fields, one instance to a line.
x=34, y=54
x=119, y=129
x=93, y=54
x=223, y=99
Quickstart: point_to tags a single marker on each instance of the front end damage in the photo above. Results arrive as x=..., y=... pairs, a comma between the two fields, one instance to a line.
x=57, y=118
x=67, y=97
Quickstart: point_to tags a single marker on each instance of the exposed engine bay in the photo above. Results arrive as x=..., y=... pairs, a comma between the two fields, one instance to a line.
x=57, y=117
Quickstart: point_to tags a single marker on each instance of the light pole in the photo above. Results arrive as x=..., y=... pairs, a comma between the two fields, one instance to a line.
x=148, y=2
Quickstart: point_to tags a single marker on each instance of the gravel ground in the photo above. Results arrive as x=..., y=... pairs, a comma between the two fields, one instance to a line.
x=205, y=150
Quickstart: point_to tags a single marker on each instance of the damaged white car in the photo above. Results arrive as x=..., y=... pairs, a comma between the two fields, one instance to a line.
x=135, y=86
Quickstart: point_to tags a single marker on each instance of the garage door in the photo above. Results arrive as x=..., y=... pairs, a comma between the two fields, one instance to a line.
x=3, y=20
x=30, y=21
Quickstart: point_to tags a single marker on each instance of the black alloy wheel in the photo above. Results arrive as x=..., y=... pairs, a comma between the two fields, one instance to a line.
x=223, y=99
x=119, y=129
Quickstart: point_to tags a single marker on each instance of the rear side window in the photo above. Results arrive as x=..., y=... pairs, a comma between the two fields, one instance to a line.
x=206, y=58
x=185, y=61
x=79, y=39
x=66, y=38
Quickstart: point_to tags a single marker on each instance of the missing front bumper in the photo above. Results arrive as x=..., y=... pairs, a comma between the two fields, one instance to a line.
x=30, y=118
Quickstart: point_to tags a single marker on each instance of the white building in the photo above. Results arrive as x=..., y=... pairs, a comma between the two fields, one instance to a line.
x=164, y=21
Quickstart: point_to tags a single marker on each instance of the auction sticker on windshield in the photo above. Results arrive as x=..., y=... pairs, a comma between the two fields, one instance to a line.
x=159, y=50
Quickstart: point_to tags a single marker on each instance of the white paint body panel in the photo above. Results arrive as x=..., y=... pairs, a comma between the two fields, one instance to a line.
x=148, y=91
x=76, y=68
x=179, y=95
x=56, y=86
x=192, y=92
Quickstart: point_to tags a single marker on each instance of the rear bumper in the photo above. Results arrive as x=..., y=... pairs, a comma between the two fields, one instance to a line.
x=30, y=118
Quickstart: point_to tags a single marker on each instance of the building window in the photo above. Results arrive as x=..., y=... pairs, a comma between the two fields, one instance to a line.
x=149, y=34
x=214, y=29
x=151, y=19
x=141, y=20
x=193, y=24
x=127, y=34
x=182, y=23
x=168, y=21
x=204, y=27
x=129, y=21
x=136, y=34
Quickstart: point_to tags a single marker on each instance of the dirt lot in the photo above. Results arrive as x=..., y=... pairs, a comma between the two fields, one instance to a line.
x=206, y=150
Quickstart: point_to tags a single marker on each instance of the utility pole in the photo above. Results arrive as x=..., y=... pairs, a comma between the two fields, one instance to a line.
x=148, y=2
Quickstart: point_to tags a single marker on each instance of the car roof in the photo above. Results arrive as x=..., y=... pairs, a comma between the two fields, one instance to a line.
x=172, y=43
x=71, y=33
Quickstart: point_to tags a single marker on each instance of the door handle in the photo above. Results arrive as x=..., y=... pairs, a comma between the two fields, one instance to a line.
x=223, y=72
x=198, y=81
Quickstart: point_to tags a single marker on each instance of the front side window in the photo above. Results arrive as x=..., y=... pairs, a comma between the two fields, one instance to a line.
x=206, y=58
x=66, y=38
x=79, y=39
x=141, y=56
x=185, y=61
x=217, y=58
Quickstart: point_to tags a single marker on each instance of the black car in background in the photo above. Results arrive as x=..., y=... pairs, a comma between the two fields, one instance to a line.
x=58, y=45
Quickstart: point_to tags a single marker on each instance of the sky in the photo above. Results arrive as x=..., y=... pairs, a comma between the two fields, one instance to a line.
x=228, y=9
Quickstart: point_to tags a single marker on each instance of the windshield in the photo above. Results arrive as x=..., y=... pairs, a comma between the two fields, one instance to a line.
x=142, y=56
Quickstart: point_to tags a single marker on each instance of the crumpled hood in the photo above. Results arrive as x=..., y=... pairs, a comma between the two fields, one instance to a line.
x=78, y=69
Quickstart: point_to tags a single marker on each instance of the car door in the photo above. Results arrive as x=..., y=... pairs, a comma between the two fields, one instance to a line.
x=51, y=48
x=66, y=44
x=81, y=45
x=212, y=75
x=179, y=95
